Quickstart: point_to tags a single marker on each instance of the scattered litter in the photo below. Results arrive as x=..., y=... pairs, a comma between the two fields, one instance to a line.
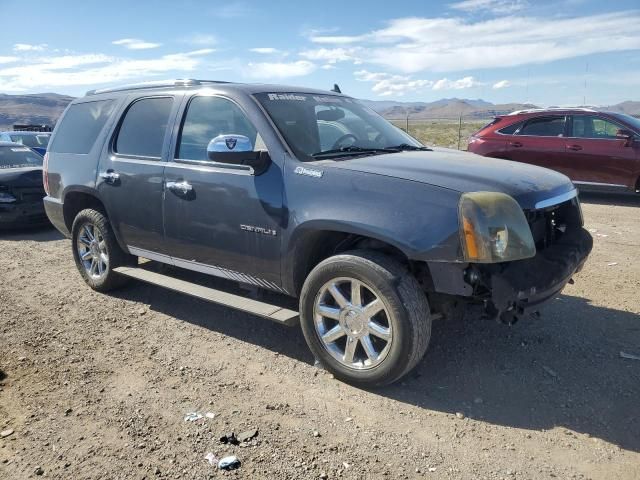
x=550, y=371
x=229, y=463
x=229, y=438
x=432, y=469
x=624, y=355
x=39, y=471
x=345, y=465
x=211, y=458
x=316, y=433
x=460, y=415
x=612, y=264
x=593, y=230
x=247, y=435
x=192, y=417
x=6, y=433
x=210, y=415
x=348, y=419
x=604, y=235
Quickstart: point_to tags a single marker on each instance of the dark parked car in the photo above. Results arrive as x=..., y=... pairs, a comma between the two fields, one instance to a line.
x=21, y=190
x=37, y=141
x=597, y=150
x=312, y=195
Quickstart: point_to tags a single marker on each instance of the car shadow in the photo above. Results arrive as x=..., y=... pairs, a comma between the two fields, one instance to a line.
x=44, y=233
x=562, y=370
x=619, y=199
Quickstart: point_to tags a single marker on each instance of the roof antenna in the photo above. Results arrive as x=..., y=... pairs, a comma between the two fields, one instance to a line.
x=336, y=88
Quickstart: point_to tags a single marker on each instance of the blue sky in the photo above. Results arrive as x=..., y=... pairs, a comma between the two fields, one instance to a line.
x=498, y=50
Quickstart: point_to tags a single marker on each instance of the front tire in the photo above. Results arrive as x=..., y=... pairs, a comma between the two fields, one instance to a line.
x=365, y=318
x=96, y=251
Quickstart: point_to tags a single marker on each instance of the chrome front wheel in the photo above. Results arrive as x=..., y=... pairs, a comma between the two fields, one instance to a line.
x=353, y=323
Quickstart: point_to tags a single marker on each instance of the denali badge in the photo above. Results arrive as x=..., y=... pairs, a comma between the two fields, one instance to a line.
x=309, y=172
x=265, y=231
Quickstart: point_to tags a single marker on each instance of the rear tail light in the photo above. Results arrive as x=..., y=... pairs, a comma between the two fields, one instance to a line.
x=45, y=173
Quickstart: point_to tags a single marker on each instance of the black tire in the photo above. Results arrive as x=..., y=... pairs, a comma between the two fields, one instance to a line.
x=406, y=304
x=116, y=256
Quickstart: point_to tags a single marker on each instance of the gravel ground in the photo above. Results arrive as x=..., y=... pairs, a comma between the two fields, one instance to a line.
x=97, y=386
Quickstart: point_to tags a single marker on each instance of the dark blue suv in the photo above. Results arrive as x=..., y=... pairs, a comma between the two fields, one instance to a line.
x=311, y=196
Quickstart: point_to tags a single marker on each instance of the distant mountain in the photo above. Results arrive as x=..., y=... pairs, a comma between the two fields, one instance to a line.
x=37, y=109
x=45, y=108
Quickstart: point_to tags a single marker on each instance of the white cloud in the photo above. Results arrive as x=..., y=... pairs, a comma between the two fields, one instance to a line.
x=280, y=69
x=26, y=47
x=462, y=83
x=232, y=10
x=264, y=50
x=497, y=7
x=501, y=84
x=331, y=55
x=135, y=44
x=386, y=84
x=418, y=44
x=7, y=59
x=328, y=66
x=201, y=39
x=95, y=69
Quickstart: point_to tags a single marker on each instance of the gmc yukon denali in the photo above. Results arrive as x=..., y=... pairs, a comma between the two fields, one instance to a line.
x=313, y=196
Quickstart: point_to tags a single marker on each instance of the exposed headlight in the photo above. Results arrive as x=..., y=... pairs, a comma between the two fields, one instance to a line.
x=6, y=197
x=493, y=228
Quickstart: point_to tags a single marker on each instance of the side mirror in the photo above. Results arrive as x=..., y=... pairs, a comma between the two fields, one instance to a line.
x=237, y=150
x=626, y=135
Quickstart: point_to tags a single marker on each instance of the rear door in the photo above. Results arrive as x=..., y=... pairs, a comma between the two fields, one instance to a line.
x=131, y=170
x=221, y=219
x=596, y=156
x=540, y=141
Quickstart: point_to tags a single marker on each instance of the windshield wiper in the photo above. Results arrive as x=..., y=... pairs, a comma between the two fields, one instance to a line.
x=353, y=150
x=406, y=146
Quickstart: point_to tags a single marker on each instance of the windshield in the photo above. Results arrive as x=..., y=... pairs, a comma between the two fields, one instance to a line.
x=19, y=157
x=313, y=124
x=634, y=122
x=38, y=141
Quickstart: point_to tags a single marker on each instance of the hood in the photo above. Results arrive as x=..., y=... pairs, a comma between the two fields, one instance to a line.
x=21, y=177
x=465, y=172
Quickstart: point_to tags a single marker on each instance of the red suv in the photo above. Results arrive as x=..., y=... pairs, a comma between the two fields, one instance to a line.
x=599, y=150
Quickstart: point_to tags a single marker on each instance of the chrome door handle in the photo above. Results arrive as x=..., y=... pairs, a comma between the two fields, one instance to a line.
x=180, y=187
x=110, y=176
x=515, y=144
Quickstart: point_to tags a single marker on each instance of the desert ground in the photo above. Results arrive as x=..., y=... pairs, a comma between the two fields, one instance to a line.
x=96, y=386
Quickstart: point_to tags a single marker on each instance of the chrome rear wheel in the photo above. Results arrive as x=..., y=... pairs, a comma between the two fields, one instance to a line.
x=92, y=251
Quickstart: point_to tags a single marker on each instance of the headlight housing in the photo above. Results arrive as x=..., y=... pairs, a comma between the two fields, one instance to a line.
x=493, y=228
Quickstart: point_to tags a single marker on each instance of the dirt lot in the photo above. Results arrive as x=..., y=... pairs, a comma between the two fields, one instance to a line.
x=97, y=386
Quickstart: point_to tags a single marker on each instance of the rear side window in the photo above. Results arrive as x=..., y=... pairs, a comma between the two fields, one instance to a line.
x=80, y=127
x=544, y=127
x=143, y=127
x=510, y=129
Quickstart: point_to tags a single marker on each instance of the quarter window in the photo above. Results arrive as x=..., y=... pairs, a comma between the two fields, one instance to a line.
x=544, y=127
x=80, y=127
x=209, y=117
x=510, y=129
x=143, y=128
x=591, y=126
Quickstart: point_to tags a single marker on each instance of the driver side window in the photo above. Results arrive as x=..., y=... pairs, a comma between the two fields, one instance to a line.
x=209, y=117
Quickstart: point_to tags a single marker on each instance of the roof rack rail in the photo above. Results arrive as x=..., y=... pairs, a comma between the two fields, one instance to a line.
x=536, y=110
x=179, y=82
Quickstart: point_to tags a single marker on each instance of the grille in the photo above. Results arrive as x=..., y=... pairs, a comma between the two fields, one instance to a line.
x=549, y=224
x=28, y=194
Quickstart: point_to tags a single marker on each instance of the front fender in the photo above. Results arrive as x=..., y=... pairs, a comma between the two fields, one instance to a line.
x=418, y=219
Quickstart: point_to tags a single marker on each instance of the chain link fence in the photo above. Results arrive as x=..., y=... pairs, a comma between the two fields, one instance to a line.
x=450, y=132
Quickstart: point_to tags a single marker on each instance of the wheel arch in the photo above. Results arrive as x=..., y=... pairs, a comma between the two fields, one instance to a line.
x=314, y=243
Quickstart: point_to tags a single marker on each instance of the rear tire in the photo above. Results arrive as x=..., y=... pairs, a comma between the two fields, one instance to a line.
x=365, y=318
x=96, y=251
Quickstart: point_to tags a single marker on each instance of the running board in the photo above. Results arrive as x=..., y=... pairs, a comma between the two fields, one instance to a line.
x=255, y=307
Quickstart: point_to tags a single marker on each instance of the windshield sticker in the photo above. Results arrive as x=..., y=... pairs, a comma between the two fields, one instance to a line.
x=287, y=96
x=310, y=172
x=327, y=99
x=20, y=149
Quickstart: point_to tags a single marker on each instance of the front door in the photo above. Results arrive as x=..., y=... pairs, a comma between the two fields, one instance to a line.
x=596, y=157
x=540, y=142
x=222, y=219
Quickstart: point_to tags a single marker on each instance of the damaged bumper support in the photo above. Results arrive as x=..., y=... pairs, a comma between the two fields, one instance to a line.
x=518, y=288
